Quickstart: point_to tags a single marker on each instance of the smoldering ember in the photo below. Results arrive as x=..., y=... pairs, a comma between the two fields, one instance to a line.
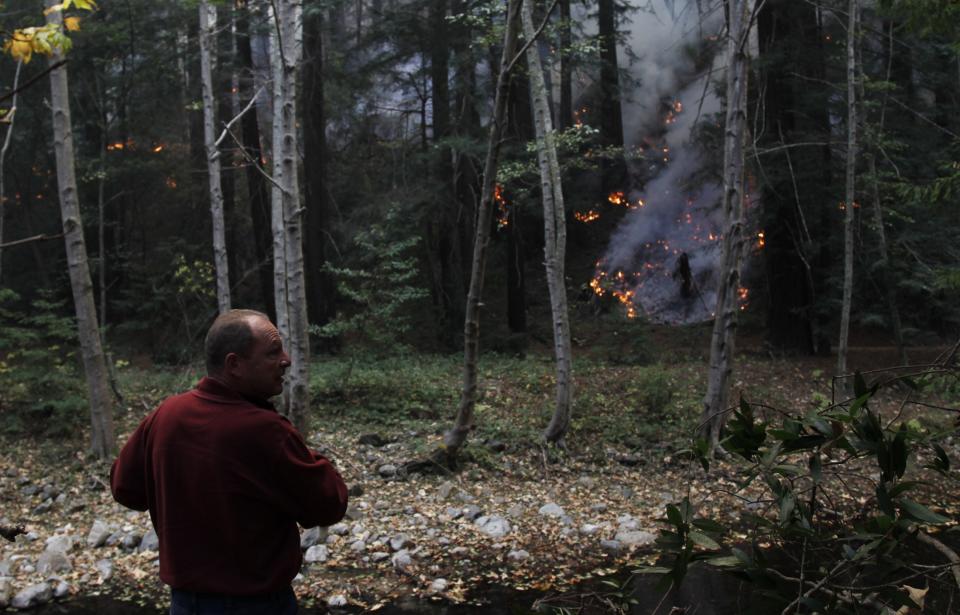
x=646, y=306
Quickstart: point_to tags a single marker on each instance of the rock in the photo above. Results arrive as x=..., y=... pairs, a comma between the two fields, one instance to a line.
x=379, y=556
x=34, y=595
x=611, y=546
x=438, y=586
x=589, y=529
x=552, y=510
x=150, y=542
x=312, y=536
x=62, y=590
x=43, y=507
x=29, y=490
x=339, y=529
x=372, y=439
x=444, y=489
x=6, y=568
x=599, y=507
x=402, y=561
x=493, y=526
x=516, y=511
x=358, y=546
x=453, y=513
x=53, y=562
x=587, y=481
x=337, y=600
x=627, y=523
x=105, y=568
x=98, y=534
x=355, y=491
x=59, y=501
x=6, y=589
x=459, y=551
x=635, y=538
x=463, y=496
x=61, y=542
x=496, y=446
x=399, y=542
x=114, y=539
x=354, y=513
x=387, y=470
x=471, y=512
x=76, y=507
x=517, y=555
x=131, y=540
x=316, y=553
x=49, y=492
x=630, y=460
x=624, y=491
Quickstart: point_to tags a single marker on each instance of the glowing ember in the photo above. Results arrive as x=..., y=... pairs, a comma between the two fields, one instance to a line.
x=588, y=217
x=742, y=295
x=761, y=240
x=115, y=146
x=503, y=212
x=158, y=149
x=617, y=198
x=171, y=183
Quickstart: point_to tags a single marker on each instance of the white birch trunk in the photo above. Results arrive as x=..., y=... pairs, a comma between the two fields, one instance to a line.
x=11, y=117
x=94, y=362
x=456, y=437
x=723, y=338
x=287, y=210
x=554, y=231
x=850, y=191
x=208, y=26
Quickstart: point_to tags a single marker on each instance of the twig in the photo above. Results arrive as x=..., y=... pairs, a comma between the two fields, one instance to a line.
x=536, y=35
x=942, y=548
x=246, y=154
x=17, y=242
x=32, y=80
x=236, y=118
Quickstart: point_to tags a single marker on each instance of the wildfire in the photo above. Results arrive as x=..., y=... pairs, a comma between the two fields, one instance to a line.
x=171, y=183
x=761, y=240
x=742, y=295
x=119, y=145
x=578, y=116
x=617, y=198
x=675, y=108
x=158, y=149
x=618, y=286
x=588, y=217
x=503, y=213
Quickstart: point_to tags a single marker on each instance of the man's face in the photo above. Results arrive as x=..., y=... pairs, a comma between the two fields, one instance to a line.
x=260, y=373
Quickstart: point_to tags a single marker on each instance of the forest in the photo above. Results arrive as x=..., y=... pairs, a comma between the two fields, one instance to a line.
x=605, y=306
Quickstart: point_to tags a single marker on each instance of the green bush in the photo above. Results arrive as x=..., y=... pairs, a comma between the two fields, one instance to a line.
x=41, y=387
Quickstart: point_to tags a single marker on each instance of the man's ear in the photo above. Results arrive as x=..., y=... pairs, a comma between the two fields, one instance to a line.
x=231, y=362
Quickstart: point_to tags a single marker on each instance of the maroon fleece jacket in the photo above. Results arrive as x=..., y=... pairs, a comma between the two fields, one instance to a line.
x=226, y=480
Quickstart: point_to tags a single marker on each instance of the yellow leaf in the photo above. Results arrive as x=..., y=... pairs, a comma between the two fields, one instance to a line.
x=54, y=8
x=19, y=47
x=72, y=23
x=86, y=5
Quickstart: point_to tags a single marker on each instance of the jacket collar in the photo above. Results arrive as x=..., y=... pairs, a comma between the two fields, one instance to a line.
x=216, y=390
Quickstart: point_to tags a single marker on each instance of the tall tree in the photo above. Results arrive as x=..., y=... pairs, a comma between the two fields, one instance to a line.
x=723, y=338
x=88, y=331
x=456, y=436
x=611, y=114
x=208, y=26
x=10, y=117
x=554, y=232
x=287, y=216
x=853, y=8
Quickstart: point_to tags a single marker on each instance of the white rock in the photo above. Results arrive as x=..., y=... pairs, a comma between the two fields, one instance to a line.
x=493, y=526
x=399, y=541
x=517, y=555
x=316, y=553
x=61, y=543
x=438, y=586
x=53, y=562
x=358, y=546
x=62, y=590
x=402, y=561
x=6, y=589
x=105, y=568
x=340, y=529
x=589, y=529
x=635, y=538
x=98, y=534
x=379, y=556
x=33, y=595
x=552, y=510
x=337, y=600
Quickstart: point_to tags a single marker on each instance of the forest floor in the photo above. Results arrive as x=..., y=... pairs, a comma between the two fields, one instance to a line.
x=622, y=466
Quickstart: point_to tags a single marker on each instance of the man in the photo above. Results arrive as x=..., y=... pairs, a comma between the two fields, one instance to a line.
x=226, y=479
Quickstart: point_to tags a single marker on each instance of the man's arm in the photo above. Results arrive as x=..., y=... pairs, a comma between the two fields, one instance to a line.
x=128, y=474
x=312, y=489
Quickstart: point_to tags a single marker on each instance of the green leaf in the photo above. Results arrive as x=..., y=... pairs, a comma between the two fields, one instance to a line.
x=725, y=561
x=859, y=384
x=920, y=512
x=899, y=453
x=703, y=540
x=709, y=525
x=674, y=516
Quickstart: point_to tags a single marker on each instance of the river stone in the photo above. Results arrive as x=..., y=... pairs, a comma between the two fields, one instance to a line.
x=587, y=481
x=387, y=470
x=399, y=541
x=402, y=561
x=105, y=568
x=131, y=541
x=53, y=562
x=599, y=507
x=6, y=568
x=627, y=523
x=635, y=538
x=316, y=553
x=339, y=529
x=311, y=537
x=611, y=546
x=43, y=507
x=552, y=510
x=372, y=439
x=516, y=510
x=61, y=542
x=438, y=586
x=443, y=491
x=518, y=555
x=29, y=490
x=379, y=556
x=33, y=595
x=150, y=542
x=49, y=492
x=453, y=513
x=358, y=546
x=589, y=529
x=6, y=588
x=471, y=512
x=337, y=600
x=493, y=526
x=98, y=534
x=62, y=590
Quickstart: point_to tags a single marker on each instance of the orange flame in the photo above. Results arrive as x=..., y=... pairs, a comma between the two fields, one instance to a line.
x=503, y=213
x=761, y=240
x=617, y=198
x=588, y=217
x=742, y=294
x=158, y=149
x=171, y=183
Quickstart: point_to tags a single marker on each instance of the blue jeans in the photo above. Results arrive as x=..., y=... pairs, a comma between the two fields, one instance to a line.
x=194, y=603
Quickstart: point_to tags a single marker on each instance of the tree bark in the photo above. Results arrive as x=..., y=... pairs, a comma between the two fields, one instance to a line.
x=565, y=115
x=611, y=115
x=456, y=437
x=11, y=118
x=723, y=338
x=88, y=332
x=208, y=26
x=289, y=277
x=850, y=189
x=554, y=232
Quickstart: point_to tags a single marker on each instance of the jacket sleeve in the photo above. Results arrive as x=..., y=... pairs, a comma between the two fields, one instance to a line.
x=311, y=488
x=128, y=481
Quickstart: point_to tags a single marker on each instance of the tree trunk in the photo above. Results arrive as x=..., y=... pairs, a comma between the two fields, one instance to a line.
x=289, y=278
x=565, y=116
x=88, y=332
x=456, y=437
x=849, y=192
x=255, y=168
x=11, y=118
x=554, y=231
x=320, y=284
x=723, y=338
x=208, y=26
x=611, y=116
x=516, y=274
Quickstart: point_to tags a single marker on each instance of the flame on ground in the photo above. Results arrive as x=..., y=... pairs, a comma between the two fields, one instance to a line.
x=503, y=211
x=588, y=217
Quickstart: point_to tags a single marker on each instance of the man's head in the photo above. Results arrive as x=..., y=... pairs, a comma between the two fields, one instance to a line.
x=244, y=350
